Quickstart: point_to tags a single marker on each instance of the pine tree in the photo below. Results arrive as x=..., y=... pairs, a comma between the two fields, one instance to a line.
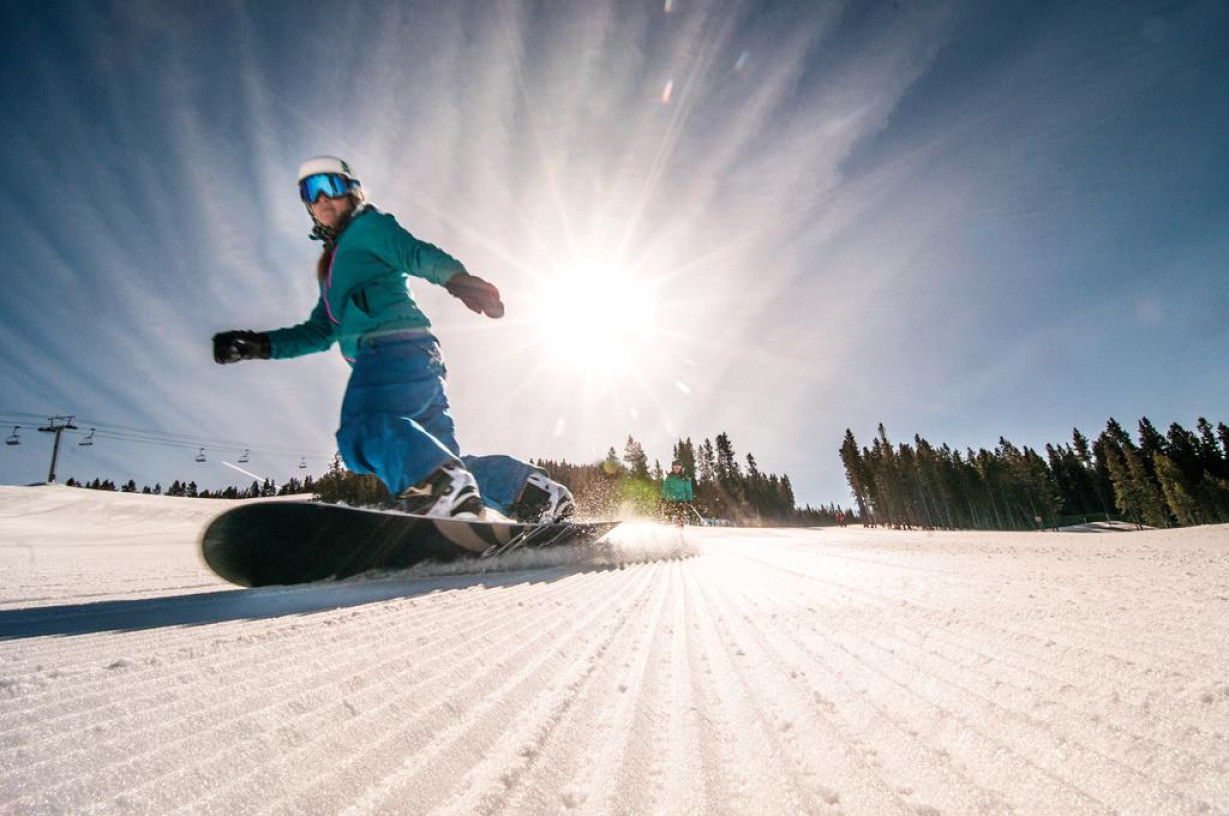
x=907, y=487
x=1045, y=500
x=685, y=454
x=933, y=501
x=1183, y=449
x=1176, y=491
x=995, y=505
x=1151, y=442
x=340, y=486
x=753, y=492
x=1104, y=449
x=1214, y=498
x=611, y=464
x=1116, y=434
x=1152, y=503
x=856, y=474
x=707, y=464
x=1065, y=469
x=1079, y=443
x=788, y=501
x=1135, y=491
x=637, y=460
x=727, y=466
x=1209, y=450
x=885, y=481
x=729, y=476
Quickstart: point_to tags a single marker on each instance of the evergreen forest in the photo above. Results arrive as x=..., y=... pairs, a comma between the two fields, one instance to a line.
x=1176, y=478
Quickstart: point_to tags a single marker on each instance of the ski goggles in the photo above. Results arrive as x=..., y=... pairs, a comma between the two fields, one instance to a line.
x=332, y=185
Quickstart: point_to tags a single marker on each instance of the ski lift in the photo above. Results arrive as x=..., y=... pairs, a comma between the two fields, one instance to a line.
x=303, y=463
x=14, y=439
x=89, y=439
x=200, y=457
x=243, y=459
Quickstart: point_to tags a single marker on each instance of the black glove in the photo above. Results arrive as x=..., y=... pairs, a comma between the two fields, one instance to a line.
x=475, y=293
x=233, y=346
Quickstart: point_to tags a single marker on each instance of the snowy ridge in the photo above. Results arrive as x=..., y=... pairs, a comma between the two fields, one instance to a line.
x=737, y=671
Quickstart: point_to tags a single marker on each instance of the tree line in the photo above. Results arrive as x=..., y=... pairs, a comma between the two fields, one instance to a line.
x=1177, y=478
x=726, y=488
x=190, y=489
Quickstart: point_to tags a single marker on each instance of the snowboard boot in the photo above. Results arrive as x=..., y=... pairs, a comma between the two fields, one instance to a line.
x=449, y=491
x=543, y=500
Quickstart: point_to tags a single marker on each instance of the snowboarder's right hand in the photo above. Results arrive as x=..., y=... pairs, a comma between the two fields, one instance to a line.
x=233, y=346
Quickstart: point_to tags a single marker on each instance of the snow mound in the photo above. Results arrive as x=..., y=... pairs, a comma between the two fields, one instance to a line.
x=101, y=514
x=1103, y=527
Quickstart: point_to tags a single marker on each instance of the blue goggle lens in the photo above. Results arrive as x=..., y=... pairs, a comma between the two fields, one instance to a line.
x=333, y=185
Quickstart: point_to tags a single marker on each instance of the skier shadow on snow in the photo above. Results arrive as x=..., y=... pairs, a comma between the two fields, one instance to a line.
x=251, y=604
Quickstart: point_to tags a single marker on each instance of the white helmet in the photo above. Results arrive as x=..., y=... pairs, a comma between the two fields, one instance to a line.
x=328, y=166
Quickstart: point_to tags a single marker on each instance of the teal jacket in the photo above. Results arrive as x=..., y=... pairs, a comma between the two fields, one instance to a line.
x=676, y=488
x=365, y=291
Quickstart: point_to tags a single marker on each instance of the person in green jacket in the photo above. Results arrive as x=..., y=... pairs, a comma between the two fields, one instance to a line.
x=395, y=421
x=677, y=494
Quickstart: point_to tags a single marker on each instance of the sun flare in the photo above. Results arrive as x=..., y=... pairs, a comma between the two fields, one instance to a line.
x=598, y=318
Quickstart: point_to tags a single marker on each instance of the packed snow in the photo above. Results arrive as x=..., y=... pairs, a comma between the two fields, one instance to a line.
x=824, y=671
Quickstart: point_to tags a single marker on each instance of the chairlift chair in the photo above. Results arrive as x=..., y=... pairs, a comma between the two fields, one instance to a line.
x=243, y=459
x=303, y=463
x=14, y=438
x=200, y=457
x=89, y=439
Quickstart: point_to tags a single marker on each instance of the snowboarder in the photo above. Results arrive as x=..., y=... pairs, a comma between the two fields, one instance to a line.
x=676, y=494
x=394, y=416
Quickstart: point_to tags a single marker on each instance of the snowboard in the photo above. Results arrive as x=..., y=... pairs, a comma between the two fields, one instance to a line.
x=296, y=542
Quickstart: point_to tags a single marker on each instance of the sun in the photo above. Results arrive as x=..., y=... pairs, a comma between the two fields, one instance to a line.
x=597, y=318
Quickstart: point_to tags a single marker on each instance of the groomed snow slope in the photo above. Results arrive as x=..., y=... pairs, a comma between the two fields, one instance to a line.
x=744, y=671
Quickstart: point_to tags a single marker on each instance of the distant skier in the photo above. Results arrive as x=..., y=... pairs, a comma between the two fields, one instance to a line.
x=676, y=495
x=394, y=416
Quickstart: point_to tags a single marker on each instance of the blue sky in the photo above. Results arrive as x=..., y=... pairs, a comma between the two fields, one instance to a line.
x=964, y=220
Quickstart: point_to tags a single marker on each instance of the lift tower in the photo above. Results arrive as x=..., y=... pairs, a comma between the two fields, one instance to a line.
x=54, y=427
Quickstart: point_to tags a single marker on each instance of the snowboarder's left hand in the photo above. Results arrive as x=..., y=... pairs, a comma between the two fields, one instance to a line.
x=478, y=295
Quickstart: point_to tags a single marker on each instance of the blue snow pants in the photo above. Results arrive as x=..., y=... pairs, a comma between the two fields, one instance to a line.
x=395, y=421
